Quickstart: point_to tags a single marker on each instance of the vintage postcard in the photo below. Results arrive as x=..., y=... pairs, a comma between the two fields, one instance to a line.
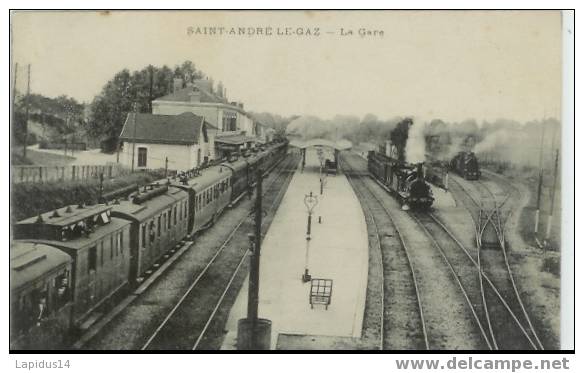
x=288, y=180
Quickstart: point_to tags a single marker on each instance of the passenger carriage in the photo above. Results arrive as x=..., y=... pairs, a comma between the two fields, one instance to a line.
x=40, y=296
x=98, y=243
x=159, y=216
x=209, y=194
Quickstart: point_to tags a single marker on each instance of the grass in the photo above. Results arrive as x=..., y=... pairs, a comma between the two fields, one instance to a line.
x=34, y=157
x=529, y=177
x=29, y=199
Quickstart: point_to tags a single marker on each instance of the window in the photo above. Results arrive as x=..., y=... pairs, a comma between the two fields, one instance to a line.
x=159, y=225
x=111, y=247
x=199, y=157
x=163, y=220
x=121, y=242
x=101, y=252
x=169, y=219
x=142, y=155
x=151, y=232
x=144, y=235
x=92, y=259
x=175, y=211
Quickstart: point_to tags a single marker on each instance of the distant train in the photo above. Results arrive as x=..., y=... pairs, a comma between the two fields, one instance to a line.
x=405, y=180
x=466, y=165
x=66, y=263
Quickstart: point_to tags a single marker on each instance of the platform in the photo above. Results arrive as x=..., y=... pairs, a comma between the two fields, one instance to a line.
x=338, y=251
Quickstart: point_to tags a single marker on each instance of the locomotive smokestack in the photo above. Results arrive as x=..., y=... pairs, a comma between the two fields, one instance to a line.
x=420, y=170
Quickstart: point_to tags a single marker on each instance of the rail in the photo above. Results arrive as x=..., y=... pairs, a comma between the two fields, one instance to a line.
x=204, y=271
x=407, y=254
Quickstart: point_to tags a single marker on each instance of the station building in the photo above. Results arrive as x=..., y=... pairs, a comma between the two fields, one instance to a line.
x=186, y=140
x=191, y=126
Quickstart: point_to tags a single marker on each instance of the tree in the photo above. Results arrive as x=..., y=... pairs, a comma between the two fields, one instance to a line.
x=110, y=108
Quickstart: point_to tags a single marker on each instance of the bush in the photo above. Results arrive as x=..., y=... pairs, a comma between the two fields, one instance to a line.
x=30, y=199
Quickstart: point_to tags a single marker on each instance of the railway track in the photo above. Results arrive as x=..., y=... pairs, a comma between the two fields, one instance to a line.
x=501, y=297
x=445, y=248
x=397, y=271
x=186, y=326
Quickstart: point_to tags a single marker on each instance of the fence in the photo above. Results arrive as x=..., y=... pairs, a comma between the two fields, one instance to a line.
x=41, y=174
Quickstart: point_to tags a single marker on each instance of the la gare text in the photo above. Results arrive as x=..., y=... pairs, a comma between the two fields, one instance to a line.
x=361, y=32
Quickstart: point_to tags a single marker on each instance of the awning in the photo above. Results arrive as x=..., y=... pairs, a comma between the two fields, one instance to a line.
x=339, y=145
x=235, y=140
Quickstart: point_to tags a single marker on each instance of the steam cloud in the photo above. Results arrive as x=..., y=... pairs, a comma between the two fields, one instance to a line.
x=501, y=140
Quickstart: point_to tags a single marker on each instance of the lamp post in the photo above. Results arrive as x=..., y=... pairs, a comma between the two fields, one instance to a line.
x=321, y=176
x=310, y=201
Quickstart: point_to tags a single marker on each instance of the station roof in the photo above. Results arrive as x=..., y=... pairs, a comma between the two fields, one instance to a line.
x=183, y=129
x=184, y=95
x=29, y=261
x=235, y=139
x=339, y=145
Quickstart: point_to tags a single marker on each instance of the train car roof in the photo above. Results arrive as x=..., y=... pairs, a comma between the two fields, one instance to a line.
x=67, y=215
x=209, y=176
x=236, y=165
x=30, y=261
x=145, y=209
x=83, y=241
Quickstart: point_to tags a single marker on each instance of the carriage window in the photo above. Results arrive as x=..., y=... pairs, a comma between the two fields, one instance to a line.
x=159, y=226
x=121, y=242
x=169, y=219
x=92, y=259
x=175, y=208
x=151, y=232
x=144, y=235
x=101, y=252
x=111, y=247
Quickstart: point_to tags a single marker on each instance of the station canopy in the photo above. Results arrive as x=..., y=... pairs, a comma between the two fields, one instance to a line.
x=338, y=145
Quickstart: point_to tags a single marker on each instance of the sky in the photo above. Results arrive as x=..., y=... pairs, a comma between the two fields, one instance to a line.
x=452, y=65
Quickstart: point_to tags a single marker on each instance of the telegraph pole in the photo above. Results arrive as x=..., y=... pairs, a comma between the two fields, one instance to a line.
x=540, y=181
x=151, y=78
x=14, y=91
x=26, y=116
x=254, y=271
x=135, y=109
x=551, y=215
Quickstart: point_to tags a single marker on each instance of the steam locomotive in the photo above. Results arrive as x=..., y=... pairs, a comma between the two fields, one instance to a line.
x=406, y=181
x=466, y=165
x=66, y=263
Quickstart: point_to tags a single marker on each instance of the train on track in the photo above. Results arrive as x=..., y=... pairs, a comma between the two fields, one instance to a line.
x=405, y=180
x=466, y=165
x=67, y=263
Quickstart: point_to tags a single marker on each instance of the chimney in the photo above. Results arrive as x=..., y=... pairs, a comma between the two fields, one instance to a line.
x=220, y=89
x=177, y=84
x=420, y=170
x=240, y=104
x=211, y=85
x=195, y=95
